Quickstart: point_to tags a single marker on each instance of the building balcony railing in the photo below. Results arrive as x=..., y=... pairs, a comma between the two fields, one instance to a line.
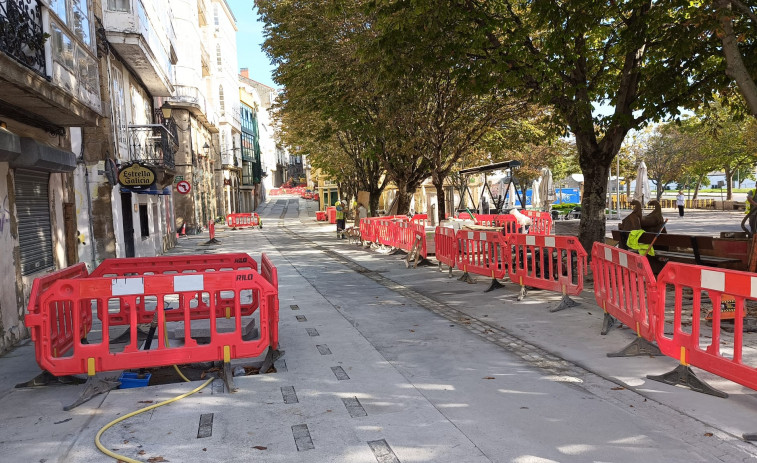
x=154, y=144
x=21, y=35
x=188, y=95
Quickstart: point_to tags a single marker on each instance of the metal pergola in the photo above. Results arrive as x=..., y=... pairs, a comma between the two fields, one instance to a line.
x=510, y=166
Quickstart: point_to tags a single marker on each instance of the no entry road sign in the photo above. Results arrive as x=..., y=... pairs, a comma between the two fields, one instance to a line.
x=183, y=187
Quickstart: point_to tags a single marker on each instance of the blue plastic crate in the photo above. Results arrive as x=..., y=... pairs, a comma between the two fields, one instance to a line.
x=130, y=379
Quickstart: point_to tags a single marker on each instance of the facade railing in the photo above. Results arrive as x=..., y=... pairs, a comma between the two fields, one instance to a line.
x=154, y=144
x=21, y=34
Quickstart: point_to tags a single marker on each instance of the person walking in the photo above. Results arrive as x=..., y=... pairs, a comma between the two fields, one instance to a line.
x=751, y=212
x=680, y=201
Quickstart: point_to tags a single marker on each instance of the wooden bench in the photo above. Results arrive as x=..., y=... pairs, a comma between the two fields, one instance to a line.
x=681, y=242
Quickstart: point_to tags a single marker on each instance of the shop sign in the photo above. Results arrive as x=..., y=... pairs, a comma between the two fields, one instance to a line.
x=136, y=176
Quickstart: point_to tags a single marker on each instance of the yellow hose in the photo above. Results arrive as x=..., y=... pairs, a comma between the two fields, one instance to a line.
x=134, y=413
x=165, y=336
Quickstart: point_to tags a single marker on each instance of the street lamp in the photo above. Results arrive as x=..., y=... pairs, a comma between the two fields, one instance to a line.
x=206, y=149
x=166, y=110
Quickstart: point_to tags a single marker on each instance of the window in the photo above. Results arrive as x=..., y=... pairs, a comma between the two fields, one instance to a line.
x=221, y=103
x=63, y=47
x=80, y=24
x=144, y=223
x=219, y=60
x=216, y=17
x=119, y=109
x=119, y=5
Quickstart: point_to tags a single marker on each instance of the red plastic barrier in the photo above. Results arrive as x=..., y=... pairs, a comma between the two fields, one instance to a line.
x=464, y=215
x=420, y=218
x=270, y=273
x=541, y=222
x=445, y=241
x=138, y=266
x=419, y=231
x=368, y=229
x=243, y=220
x=212, y=229
x=61, y=334
x=331, y=212
x=403, y=234
x=508, y=223
x=97, y=355
x=483, y=253
x=625, y=287
x=553, y=263
x=696, y=344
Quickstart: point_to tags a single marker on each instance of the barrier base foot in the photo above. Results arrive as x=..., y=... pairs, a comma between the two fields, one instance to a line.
x=749, y=437
x=522, y=293
x=209, y=242
x=494, y=285
x=466, y=277
x=93, y=387
x=639, y=346
x=684, y=376
x=228, y=377
x=270, y=359
x=46, y=379
x=565, y=303
x=607, y=323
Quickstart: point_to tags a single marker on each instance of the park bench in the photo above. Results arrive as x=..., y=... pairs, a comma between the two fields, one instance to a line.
x=676, y=247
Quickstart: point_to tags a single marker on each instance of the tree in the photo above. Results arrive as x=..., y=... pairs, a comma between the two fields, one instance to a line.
x=664, y=156
x=737, y=23
x=642, y=61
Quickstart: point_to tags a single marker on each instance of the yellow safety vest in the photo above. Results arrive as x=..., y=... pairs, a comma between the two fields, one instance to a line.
x=633, y=243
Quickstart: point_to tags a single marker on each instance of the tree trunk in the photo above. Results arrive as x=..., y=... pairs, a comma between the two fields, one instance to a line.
x=735, y=67
x=729, y=184
x=660, y=190
x=441, y=201
x=698, y=185
x=592, y=226
x=374, y=196
x=403, y=199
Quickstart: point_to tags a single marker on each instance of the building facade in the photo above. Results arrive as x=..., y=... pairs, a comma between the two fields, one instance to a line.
x=251, y=164
x=51, y=88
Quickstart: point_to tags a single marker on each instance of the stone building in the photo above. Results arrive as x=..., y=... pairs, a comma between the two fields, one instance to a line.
x=50, y=89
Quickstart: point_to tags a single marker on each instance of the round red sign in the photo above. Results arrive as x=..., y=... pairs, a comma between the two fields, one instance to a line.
x=183, y=187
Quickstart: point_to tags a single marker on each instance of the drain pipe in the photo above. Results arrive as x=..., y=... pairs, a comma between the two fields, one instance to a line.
x=89, y=204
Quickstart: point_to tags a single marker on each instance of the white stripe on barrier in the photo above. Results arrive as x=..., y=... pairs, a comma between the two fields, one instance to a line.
x=482, y=236
x=470, y=235
x=753, y=292
x=623, y=259
x=530, y=240
x=608, y=254
x=127, y=286
x=188, y=283
x=713, y=280
x=549, y=241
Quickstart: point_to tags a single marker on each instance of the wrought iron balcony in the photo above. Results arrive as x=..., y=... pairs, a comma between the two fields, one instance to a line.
x=21, y=35
x=154, y=144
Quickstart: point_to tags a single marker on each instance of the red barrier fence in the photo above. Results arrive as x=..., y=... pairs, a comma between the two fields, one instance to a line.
x=84, y=294
x=508, y=223
x=140, y=266
x=697, y=345
x=403, y=235
x=626, y=289
x=419, y=230
x=368, y=229
x=60, y=334
x=244, y=220
x=445, y=241
x=541, y=222
x=271, y=274
x=212, y=230
x=553, y=263
x=482, y=253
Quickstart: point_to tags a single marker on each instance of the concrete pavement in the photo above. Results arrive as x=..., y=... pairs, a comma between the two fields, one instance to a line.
x=387, y=364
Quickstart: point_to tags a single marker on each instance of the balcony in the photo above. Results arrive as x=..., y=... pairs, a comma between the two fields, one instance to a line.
x=189, y=97
x=204, y=60
x=29, y=94
x=155, y=144
x=135, y=37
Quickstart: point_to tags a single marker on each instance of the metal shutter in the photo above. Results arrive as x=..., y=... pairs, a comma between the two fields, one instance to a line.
x=34, y=229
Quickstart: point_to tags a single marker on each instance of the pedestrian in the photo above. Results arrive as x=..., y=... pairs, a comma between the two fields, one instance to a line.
x=680, y=201
x=340, y=206
x=362, y=212
x=751, y=211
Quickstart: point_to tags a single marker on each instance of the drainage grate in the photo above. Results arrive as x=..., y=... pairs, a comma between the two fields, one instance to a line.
x=340, y=374
x=323, y=349
x=206, y=426
x=353, y=407
x=312, y=332
x=289, y=395
x=301, y=318
x=382, y=451
x=302, y=437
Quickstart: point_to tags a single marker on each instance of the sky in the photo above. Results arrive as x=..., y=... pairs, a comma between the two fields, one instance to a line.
x=249, y=39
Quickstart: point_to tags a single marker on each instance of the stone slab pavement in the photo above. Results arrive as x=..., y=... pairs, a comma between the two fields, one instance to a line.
x=390, y=364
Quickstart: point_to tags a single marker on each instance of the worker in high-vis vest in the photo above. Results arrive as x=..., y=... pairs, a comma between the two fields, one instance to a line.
x=340, y=206
x=751, y=210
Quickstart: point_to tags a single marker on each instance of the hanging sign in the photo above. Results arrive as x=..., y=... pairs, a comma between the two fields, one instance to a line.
x=136, y=176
